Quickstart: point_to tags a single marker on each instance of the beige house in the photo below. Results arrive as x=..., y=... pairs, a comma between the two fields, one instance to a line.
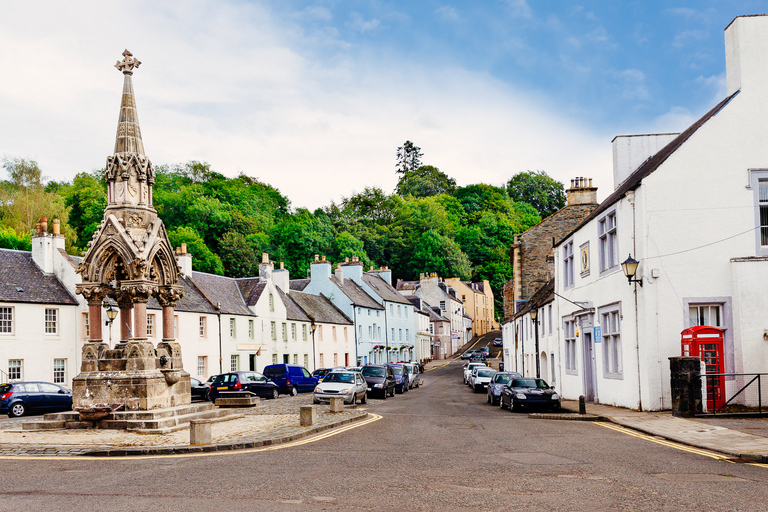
x=478, y=302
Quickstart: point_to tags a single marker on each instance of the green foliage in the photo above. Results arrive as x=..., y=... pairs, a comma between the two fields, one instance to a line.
x=203, y=259
x=425, y=181
x=545, y=194
x=86, y=198
x=408, y=157
x=9, y=239
x=437, y=253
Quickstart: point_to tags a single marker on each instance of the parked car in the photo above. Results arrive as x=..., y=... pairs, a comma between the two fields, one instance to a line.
x=498, y=342
x=199, y=389
x=473, y=374
x=468, y=369
x=19, y=398
x=528, y=393
x=478, y=357
x=499, y=380
x=291, y=378
x=349, y=385
x=380, y=379
x=414, y=375
x=402, y=384
x=485, y=351
x=482, y=379
x=254, y=382
x=320, y=373
x=468, y=353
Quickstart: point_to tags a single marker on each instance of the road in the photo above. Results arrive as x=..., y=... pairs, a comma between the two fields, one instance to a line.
x=440, y=447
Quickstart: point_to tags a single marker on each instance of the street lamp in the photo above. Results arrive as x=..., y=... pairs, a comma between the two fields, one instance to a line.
x=629, y=266
x=534, y=313
x=111, y=314
x=314, y=350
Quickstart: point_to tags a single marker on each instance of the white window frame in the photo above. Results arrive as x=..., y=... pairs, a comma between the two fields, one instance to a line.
x=571, y=359
x=284, y=331
x=293, y=331
x=761, y=221
x=304, y=332
x=273, y=329
x=59, y=371
x=51, y=321
x=202, y=367
x=234, y=362
x=150, y=326
x=6, y=320
x=233, y=328
x=15, y=370
x=250, y=329
x=202, y=326
x=568, y=276
x=610, y=331
x=608, y=241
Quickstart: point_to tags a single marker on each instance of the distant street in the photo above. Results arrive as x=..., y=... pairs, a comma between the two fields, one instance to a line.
x=440, y=447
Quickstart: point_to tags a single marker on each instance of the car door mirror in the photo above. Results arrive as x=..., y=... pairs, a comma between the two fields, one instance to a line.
x=62, y=392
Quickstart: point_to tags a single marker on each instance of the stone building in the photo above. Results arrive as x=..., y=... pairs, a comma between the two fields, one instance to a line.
x=532, y=252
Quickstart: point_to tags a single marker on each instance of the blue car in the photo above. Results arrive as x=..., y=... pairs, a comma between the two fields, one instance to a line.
x=291, y=379
x=401, y=377
x=19, y=398
x=499, y=380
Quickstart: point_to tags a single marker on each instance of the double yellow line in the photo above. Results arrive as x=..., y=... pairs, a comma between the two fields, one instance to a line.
x=677, y=446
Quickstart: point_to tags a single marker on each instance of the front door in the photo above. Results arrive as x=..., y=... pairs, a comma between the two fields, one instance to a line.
x=252, y=362
x=590, y=388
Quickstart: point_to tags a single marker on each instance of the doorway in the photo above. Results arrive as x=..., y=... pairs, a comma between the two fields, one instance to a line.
x=590, y=387
x=252, y=362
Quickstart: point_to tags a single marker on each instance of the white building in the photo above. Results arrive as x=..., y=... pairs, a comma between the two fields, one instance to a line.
x=695, y=215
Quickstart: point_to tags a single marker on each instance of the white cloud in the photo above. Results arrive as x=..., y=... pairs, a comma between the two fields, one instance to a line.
x=631, y=84
x=234, y=85
x=447, y=13
x=675, y=120
x=519, y=8
x=359, y=24
x=688, y=37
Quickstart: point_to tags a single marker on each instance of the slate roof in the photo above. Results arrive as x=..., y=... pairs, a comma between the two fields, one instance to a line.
x=435, y=315
x=649, y=166
x=355, y=293
x=193, y=301
x=408, y=285
x=418, y=303
x=23, y=281
x=224, y=290
x=542, y=296
x=251, y=289
x=385, y=290
x=320, y=308
x=299, y=284
x=292, y=309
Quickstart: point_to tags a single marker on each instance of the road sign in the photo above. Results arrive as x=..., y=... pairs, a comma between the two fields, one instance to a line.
x=597, y=334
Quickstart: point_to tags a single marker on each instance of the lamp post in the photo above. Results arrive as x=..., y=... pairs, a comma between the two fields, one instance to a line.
x=111, y=314
x=629, y=267
x=314, y=350
x=534, y=313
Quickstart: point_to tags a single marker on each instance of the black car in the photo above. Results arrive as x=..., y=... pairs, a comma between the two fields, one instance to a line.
x=18, y=398
x=254, y=382
x=478, y=357
x=529, y=393
x=380, y=379
x=199, y=389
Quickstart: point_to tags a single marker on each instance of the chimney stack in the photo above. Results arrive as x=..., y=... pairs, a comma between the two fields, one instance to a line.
x=581, y=192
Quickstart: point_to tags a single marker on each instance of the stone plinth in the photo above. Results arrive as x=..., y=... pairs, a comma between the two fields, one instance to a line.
x=307, y=415
x=139, y=390
x=337, y=404
x=199, y=432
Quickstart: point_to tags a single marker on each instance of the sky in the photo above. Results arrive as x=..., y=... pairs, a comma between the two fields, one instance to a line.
x=315, y=97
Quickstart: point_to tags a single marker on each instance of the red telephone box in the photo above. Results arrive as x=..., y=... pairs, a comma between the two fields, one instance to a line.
x=707, y=343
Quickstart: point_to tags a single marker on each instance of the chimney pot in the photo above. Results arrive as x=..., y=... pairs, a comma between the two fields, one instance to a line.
x=282, y=266
x=323, y=257
x=56, y=227
x=184, y=248
x=264, y=257
x=317, y=257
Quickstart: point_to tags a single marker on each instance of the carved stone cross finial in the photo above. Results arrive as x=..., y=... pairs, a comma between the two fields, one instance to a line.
x=128, y=63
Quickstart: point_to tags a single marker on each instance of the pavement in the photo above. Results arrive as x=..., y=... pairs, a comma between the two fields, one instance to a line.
x=269, y=422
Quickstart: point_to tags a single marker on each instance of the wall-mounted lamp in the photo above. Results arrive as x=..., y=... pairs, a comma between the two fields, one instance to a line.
x=629, y=266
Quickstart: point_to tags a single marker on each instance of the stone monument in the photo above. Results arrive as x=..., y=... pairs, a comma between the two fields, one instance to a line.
x=129, y=260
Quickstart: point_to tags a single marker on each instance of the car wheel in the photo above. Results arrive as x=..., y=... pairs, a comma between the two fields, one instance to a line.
x=16, y=410
x=393, y=392
x=385, y=394
x=501, y=402
x=512, y=407
x=294, y=391
x=275, y=394
x=365, y=397
x=487, y=398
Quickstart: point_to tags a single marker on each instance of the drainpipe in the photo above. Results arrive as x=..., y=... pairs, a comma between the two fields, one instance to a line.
x=386, y=331
x=221, y=363
x=354, y=328
x=631, y=200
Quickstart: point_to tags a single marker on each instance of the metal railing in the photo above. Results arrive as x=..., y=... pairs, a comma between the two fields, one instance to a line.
x=734, y=394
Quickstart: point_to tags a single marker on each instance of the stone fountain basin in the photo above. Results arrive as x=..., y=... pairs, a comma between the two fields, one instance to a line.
x=97, y=412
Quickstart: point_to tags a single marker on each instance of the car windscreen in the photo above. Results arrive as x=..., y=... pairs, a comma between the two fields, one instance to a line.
x=340, y=377
x=370, y=371
x=500, y=378
x=398, y=370
x=485, y=373
x=529, y=384
x=409, y=370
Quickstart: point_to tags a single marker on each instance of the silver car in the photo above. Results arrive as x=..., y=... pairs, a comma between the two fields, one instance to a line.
x=414, y=377
x=482, y=379
x=468, y=370
x=349, y=385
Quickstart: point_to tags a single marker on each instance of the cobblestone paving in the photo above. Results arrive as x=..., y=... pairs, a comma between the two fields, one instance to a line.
x=270, y=421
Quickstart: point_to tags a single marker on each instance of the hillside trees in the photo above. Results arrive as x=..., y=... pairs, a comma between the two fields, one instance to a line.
x=544, y=193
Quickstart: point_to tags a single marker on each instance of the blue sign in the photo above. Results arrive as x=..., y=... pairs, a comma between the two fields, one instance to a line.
x=597, y=334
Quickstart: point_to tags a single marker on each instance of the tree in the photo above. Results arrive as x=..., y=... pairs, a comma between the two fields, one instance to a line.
x=539, y=190
x=408, y=157
x=437, y=253
x=425, y=181
x=203, y=259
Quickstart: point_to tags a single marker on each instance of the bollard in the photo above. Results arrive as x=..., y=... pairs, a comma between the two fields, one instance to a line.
x=199, y=432
x=582, y=405
x=307, y=415
x=337, y=404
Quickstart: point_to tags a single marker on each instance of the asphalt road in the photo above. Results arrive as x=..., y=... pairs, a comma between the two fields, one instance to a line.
x=440, y=447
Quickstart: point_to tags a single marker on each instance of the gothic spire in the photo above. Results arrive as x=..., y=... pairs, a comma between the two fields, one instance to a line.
x=128, y=139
